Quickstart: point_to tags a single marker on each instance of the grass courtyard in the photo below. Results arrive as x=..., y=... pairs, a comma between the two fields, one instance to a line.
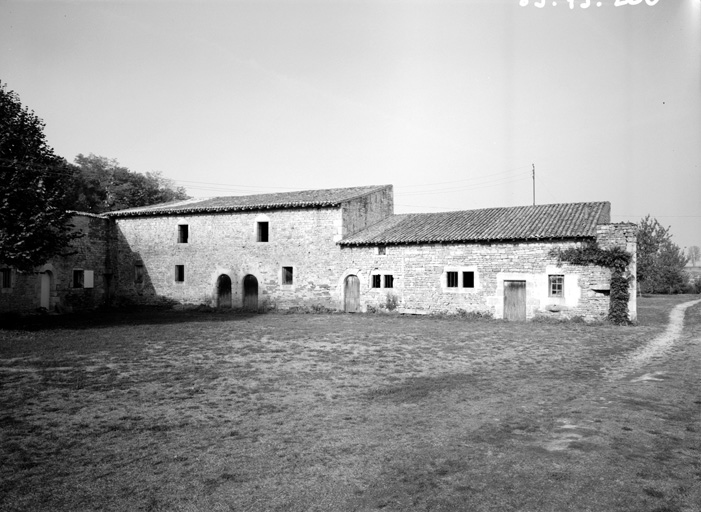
x=186, y=410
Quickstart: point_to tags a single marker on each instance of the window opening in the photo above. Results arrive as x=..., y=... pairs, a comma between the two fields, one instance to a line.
x=389, y=281
x=557, y=285
x=78, y=278
x=138, y=273
x=468, y=279
x=376, y=280
x=452, y=279
x=287, y=277
x=262, y=231
x=182, y=233
x=179, y=273
x=6, y=276
x=381, y=250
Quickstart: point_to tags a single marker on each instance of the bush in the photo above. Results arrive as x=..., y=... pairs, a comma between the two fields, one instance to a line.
x=391, y=302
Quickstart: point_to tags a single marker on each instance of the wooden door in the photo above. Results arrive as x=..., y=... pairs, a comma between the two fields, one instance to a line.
x=224, y=291
x=514, y=300
x=45, y=293
x=250, y=293
x=351, y=294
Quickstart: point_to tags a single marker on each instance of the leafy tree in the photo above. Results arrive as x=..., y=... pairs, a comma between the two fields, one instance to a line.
x=660, y=265
x=104, y=185
x=694, y=254
x=34, y=223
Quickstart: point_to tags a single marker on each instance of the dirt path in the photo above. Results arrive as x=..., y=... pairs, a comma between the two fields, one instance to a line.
x=657, y=348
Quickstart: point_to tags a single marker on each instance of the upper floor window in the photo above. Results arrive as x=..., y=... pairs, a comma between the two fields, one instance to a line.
x=262, y=232
x=381, y=250
x=6, y=277
x=556, y=285
x=183, y=233
x=138, y=273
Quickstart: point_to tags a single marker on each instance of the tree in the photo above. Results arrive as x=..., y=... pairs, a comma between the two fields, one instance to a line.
x=660, y=264
x=694, y=254
x=34, y=223
x=104, y=185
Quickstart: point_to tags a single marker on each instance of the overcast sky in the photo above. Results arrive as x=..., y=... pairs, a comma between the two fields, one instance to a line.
x=452, y=102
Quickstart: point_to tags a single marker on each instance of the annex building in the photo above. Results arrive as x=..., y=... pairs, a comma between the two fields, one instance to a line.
x=343, y=249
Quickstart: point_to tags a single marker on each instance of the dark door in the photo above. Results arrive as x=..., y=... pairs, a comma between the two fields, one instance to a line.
x=514, y=300
x=250, y=293
x=351, y=294
x=224, y=291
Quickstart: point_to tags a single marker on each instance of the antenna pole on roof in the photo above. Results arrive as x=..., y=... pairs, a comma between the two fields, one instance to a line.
x=533, y=184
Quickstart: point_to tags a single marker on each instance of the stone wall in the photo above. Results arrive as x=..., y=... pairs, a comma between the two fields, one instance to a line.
x=88, y=254
x=365, y=211
x=226, y=244
x=420, y=274
x=623, y=235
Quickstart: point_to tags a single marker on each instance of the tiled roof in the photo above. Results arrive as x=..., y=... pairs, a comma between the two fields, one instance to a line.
x=299, y=199
x=571, y=220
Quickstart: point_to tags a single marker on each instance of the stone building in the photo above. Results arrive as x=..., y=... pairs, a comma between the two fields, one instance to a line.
x=79, y=279
x=343, y=249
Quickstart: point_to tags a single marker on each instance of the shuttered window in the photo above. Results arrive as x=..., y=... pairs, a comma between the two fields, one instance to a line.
x=376, y=281
x=6, y=277
x=389, y=281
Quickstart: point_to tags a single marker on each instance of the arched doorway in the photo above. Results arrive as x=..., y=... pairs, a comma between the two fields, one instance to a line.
x=224, y=291
x=250, y=293
x=351, y=294
x=45, y=292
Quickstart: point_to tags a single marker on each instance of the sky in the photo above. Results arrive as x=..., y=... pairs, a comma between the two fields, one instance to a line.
x=455, y=102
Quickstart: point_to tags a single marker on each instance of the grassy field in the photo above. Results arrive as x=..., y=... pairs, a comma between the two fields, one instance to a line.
x=204, y=411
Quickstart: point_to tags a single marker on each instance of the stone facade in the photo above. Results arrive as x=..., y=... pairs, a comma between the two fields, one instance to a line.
x=293, y=251
x=80, y=280
x=420, y=278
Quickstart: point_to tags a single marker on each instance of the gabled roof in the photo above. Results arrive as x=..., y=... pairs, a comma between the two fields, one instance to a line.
x=571, y=220
x=298, y=199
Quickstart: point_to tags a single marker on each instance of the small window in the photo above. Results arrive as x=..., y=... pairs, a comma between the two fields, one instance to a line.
x=78, y=278
x=138, y=273
x=287, y=276
x=6, y=277
x=179, y=273
x=381, y=250
x=262, y=232
x=376, y=281
x=468, y=279
x=389, y=281
x=556, y=285
x=183, y=233
x=452, y=279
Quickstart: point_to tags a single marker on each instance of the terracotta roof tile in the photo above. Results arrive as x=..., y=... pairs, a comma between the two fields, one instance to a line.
x=297, y=199
x=570, y=220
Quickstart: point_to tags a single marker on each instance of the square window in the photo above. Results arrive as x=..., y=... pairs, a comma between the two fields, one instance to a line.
x=389, y=281
x=452, y=279
x=78, y=277
x=556, y=285
x=381, y=250
x=468, y=279
x=287, y=277
x=179, y=273
x=182, y=233
x=262, y=232
x=6, y=277
x=376, y=281
x=138, y=273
